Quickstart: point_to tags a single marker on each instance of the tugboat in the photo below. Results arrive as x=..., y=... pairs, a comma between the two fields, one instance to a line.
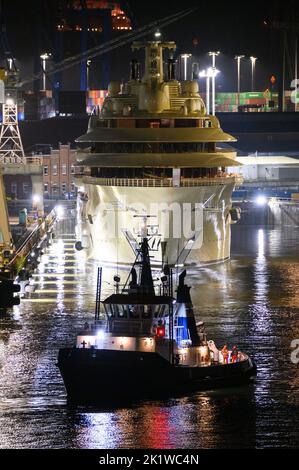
x=149, y=344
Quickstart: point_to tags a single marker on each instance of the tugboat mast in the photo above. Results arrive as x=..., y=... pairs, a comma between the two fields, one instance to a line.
x=146, y=278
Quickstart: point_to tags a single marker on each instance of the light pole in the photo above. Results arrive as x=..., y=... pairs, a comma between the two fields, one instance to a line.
x=204, y=74
x=238, y=59
x=185, y=58
x=208, y=92
x=296, y=71
x=44, y=58
x=88, y=64
x=10, y=61
x=214, y=55
x=253, y=61
x=207, y=74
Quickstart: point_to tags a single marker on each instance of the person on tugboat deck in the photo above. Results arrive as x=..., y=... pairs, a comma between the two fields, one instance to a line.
x=177, y=359
x=225, y=354
x=235, y=354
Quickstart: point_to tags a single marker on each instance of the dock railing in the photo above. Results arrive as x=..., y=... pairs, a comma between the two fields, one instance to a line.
x=27, y=245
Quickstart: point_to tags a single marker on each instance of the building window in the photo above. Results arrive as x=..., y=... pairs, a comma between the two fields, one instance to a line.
x=46, y=187
x=54, y=189
x=54, y=170
x=72, y=170
x=14, y=188
x=25, y=188
x=63, y=187
x=63, y=167
x=46, y=170
x=73, y=187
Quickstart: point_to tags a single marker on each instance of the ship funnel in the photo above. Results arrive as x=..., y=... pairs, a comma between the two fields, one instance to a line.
x=146, y=279
x=135, y=68
x=195, y=71
x=183, y=297
x=171, y=69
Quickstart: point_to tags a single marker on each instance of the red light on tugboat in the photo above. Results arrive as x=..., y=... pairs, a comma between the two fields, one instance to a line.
x=160, y=332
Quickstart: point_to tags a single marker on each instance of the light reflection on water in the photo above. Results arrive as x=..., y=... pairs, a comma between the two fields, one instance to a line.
x=251, y=301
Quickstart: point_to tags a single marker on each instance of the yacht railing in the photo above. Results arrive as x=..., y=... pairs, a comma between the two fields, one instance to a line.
x=163, y=183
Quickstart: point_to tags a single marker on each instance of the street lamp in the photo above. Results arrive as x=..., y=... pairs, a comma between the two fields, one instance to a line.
x=45, y=56
x=204, y=74
x=10, y=102
x=213, y=55
x=59, y=211
x=88, y=64
x=207, y=74
x=10, y=61
x=238, y=59
x=157, y=34
x=35, y=203
x=35, y=199
x=253, y=61
x=185, y=58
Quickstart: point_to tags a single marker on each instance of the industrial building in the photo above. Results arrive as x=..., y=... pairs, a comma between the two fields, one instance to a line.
x=269, y=176
x=59, y=169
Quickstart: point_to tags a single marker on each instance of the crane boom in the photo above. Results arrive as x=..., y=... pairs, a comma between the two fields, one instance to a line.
x=111, y=45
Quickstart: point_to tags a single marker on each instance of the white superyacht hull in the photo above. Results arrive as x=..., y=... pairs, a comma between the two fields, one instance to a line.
x=111, y=217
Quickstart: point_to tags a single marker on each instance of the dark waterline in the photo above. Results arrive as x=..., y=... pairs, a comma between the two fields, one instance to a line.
x=251, y=301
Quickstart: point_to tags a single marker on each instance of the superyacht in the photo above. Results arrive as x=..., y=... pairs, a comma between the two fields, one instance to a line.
x=154, y=157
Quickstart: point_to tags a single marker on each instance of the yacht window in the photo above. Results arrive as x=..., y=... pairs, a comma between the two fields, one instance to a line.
x=154, y=66
x=154, y=125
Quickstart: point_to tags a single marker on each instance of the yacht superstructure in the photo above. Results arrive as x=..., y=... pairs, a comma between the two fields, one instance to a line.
x=153, y=157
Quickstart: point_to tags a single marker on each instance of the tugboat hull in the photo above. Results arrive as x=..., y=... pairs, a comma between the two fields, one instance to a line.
x=92, y=376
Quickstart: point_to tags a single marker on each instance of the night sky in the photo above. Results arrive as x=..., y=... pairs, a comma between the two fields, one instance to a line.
x=231, y=27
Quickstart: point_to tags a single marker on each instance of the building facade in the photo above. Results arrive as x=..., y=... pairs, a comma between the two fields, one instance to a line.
x=18, y=186
x=59, y=169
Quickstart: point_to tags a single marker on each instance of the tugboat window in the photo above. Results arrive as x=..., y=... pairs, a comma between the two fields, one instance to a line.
x=147, y=313
x=134, y=313
x=123, y=312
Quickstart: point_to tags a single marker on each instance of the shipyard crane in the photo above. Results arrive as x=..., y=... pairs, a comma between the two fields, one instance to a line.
x=289, y=29
x=110, y=45
x=4, y=44
x=6, y=56
x=11, y=148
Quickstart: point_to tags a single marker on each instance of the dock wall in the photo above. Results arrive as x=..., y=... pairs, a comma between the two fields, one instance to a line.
x=274, y=213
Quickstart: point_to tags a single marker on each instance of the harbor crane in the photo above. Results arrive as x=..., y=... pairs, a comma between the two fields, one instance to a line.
x=6, y=242
x=288, y=27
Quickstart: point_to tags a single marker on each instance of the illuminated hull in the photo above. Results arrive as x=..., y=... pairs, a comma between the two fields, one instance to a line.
x=110, y=218
x=96, y=375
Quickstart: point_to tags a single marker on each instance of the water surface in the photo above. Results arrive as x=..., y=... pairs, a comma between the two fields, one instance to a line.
x=251, y=301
